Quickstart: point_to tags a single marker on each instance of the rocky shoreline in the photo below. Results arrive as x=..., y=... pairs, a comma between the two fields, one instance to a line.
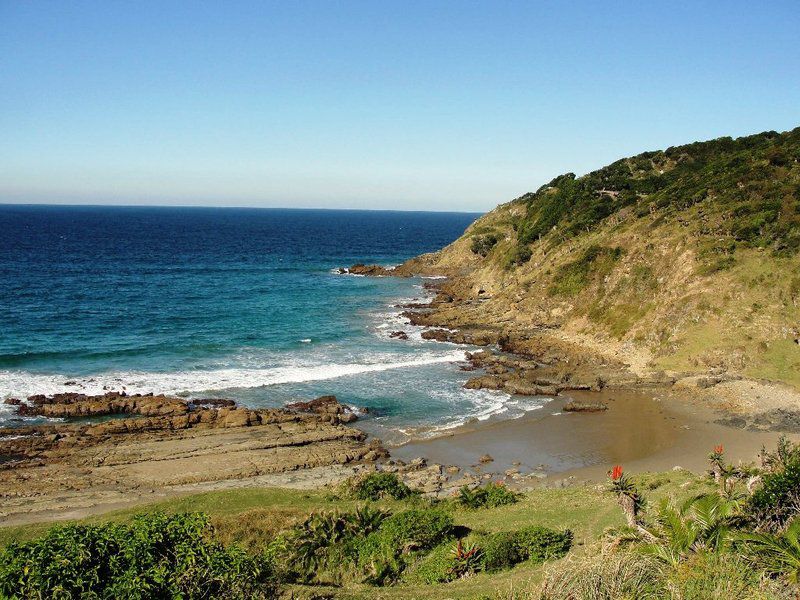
x=134, y=446
x=115, y=450
x=533, y=359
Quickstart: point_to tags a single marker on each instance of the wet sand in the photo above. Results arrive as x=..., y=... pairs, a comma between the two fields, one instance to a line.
x=644, y=430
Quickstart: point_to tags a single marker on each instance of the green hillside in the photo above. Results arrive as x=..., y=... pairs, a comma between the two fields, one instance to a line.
x=685, y=259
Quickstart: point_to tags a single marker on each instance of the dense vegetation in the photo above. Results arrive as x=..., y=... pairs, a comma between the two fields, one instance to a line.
x=745, y=181
x=747, y=191
x=154, y=556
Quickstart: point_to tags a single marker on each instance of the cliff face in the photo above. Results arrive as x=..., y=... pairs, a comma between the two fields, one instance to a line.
x=686, y=259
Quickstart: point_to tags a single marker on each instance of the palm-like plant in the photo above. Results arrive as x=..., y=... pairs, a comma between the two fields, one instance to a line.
x=701, y=524
x=628, y=497
x=326, y=539
x=778, y=554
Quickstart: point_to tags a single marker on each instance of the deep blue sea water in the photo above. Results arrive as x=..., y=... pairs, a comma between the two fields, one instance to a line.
x=240, y=303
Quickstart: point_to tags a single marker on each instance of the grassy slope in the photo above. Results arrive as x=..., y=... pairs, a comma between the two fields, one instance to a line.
x=686, y=258
x=251, y=516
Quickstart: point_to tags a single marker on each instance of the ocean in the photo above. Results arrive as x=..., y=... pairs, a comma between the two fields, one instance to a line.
x=230, y=302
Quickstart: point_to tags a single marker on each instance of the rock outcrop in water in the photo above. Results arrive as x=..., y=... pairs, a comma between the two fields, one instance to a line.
x=372, y=271
x=327, y=406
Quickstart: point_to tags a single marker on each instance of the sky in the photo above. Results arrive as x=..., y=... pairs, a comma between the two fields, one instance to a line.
x=430, y=105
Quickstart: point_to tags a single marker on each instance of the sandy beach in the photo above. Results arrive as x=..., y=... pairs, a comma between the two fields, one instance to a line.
x=644, y=430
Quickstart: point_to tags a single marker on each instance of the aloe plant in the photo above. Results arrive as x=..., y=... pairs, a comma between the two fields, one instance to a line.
x=627, y=495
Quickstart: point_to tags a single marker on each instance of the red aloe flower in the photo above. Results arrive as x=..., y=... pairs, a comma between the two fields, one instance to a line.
x=718, y=449
x=616, y=473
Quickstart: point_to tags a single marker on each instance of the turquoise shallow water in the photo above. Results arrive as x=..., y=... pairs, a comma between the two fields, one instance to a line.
x=242, y=303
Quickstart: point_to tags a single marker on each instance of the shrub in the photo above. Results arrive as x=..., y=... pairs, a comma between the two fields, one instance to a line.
x=447, y=562
x=483, y=244
x=594, y=264
x=154, y=556
x=490, y=552
x=384, y=553
x=491, y=495
x=539, y=544
x=777, y=500
x=381, y=485
x=500, y=551
x=416, y=529
x=518, y=256
x=504, y=549
x=326, y=545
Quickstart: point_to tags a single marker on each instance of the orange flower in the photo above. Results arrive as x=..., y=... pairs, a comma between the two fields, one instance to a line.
x=616, y=473
x=718, y=449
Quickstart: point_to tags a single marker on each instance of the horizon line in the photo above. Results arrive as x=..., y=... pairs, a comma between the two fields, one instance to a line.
x=239, y=207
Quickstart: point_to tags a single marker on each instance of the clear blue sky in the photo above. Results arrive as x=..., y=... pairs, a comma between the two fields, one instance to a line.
x=376, y=104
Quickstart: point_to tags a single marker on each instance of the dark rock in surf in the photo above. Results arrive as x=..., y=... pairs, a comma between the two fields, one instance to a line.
x=326, y=405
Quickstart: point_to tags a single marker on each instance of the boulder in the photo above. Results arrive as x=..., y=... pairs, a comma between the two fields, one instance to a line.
x=485, y=382
x=326, y=405
x=440, y=335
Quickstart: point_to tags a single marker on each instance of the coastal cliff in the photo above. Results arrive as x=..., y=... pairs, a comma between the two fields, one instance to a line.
x=685, y=260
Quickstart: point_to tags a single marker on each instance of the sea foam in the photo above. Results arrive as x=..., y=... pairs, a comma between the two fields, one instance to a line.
x=22, y=384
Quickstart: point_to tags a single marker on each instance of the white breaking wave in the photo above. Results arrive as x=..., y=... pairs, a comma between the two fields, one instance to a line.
x=22, y=384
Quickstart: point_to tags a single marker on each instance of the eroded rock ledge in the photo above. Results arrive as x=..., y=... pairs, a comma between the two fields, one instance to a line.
x=155, y=443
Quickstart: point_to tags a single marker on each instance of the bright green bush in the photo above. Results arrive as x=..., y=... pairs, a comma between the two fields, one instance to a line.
x=434, y=567
x=416, y=529
x=447, y=562
x=154, y=556
x=381, y=485
x=501, y=551
x=385, y=553
x=538, y=544
x=491, y=552
x=490, y=495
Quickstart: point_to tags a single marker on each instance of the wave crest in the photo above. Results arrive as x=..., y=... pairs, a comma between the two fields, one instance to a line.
x=22, y=383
